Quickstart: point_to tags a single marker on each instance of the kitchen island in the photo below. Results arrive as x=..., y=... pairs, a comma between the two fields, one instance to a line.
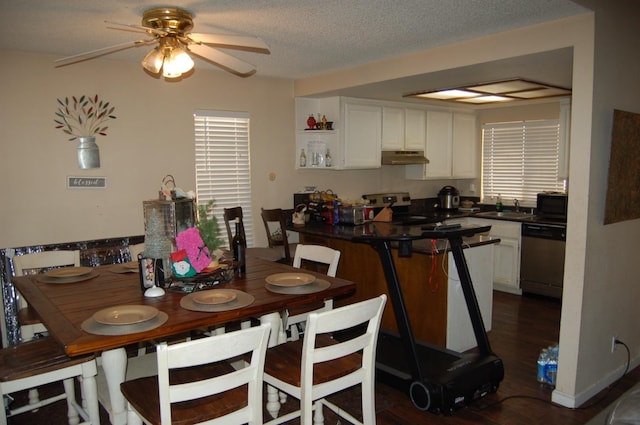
x=428, y=278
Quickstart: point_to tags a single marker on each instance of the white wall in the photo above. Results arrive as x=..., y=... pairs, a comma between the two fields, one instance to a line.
x=151, y=137
x=610, y=287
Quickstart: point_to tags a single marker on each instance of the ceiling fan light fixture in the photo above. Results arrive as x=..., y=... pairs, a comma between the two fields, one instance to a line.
x=153, y=61
x=176, y=63
x=170, y=28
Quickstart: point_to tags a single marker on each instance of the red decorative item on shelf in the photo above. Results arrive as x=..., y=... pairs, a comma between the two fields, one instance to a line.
x=311, y=122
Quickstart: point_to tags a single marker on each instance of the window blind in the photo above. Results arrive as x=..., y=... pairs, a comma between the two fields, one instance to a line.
x=520, y=159
x=223, y=169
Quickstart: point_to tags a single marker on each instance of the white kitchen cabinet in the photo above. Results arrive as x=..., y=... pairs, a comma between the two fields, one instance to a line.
x=415, y=126
x=392, y=128
x=362, y=135
x=403, y=128
x=451, y=147
x=506, y=254
x=460, y=336
x=354, y=142
x=465, y=147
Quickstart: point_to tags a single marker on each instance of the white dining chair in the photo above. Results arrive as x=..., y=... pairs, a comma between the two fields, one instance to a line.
x=197, y=384
x=313, y=254
x=319, y=365
x=33, y=263
x=43, y=361
x=136, y=249
x=29, y=322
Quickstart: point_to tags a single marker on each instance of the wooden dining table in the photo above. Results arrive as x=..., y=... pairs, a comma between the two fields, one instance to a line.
x=63, y=307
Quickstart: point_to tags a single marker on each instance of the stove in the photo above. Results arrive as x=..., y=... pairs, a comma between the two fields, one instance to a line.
x=399, y=201
x=400, y=205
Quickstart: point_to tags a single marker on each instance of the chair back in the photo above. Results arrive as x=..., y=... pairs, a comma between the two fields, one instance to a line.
x=367, y=312
x=45, y=259
x=32, y=264
x=209, y=350
x=230, y=215
x=136, y=249
x=317, y=254
x=276, y=235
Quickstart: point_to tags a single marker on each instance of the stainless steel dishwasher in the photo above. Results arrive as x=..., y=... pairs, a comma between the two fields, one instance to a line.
x=542, y=258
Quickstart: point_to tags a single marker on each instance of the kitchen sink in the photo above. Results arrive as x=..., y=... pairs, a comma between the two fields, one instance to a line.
x=512, y=215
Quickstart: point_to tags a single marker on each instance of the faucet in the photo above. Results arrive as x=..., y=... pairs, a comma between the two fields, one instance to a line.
x=516, y=203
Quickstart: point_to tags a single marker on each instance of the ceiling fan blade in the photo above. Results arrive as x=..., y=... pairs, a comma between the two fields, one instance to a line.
x=141, y=28
x=99, y=52
x=237, y=42
x=223, y=60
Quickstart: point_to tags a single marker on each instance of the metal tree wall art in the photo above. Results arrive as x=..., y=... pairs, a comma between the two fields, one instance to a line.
x=83, y=118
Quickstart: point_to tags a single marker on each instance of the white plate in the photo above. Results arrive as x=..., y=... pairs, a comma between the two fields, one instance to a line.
x=290, y=279
x=62, y=280
x=125, y=314
x=67, y=272
x=317, y=286
x=214, y=297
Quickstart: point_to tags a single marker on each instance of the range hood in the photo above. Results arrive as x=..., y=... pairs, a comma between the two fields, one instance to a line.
x=403, y=157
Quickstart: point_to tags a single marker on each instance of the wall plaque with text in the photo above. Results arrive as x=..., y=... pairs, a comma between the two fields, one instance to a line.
x=78, y=182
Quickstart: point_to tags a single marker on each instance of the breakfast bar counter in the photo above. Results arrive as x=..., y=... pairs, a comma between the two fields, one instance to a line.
x=428, y=277
x=311, y=231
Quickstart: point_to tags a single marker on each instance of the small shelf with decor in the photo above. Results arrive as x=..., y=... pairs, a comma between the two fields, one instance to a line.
x=319, y=148
x=354, y=141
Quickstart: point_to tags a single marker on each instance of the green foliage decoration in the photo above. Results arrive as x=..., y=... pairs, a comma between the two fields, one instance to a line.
x=208, y=226
x=85, y=116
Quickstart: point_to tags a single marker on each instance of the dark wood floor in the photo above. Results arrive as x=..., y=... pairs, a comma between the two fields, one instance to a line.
x=521, y=327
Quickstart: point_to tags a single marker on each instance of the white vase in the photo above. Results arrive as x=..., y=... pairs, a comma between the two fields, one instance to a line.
x=88, y=153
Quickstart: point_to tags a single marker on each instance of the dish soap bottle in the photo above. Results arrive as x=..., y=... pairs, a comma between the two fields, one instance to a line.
x=499, y=203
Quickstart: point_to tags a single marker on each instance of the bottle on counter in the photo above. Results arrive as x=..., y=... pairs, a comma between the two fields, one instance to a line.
x=499, y=203
x=303, y=159
x=238, y=245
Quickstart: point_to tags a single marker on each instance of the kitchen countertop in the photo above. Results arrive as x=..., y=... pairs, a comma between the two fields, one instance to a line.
x=426, y=208
x=419, y=245
x=507, y=215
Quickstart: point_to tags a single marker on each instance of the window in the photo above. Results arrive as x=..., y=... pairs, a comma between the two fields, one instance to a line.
x=520, y=159
x=223, y=170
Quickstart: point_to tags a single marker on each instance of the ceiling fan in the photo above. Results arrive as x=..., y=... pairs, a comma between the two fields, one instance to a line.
x=169, y=28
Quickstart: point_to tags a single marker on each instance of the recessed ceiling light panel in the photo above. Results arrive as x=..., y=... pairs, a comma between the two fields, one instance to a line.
x=497, y=91
x=486, y=99
x=448, y=94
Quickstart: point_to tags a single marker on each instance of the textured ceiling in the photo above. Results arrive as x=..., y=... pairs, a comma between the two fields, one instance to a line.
x=306, y=37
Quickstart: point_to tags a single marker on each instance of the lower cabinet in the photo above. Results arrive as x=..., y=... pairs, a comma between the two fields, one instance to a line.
x=506, y=258
x=460, y=335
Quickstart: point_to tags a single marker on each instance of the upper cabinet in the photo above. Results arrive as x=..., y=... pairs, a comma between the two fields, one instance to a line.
x=361, y=129
x=362, y=135
x=403, y=128
x=451, y=146
x=465, y=146
x=354, y=141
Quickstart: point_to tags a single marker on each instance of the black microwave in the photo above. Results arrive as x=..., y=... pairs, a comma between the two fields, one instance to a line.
x=552, y=205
